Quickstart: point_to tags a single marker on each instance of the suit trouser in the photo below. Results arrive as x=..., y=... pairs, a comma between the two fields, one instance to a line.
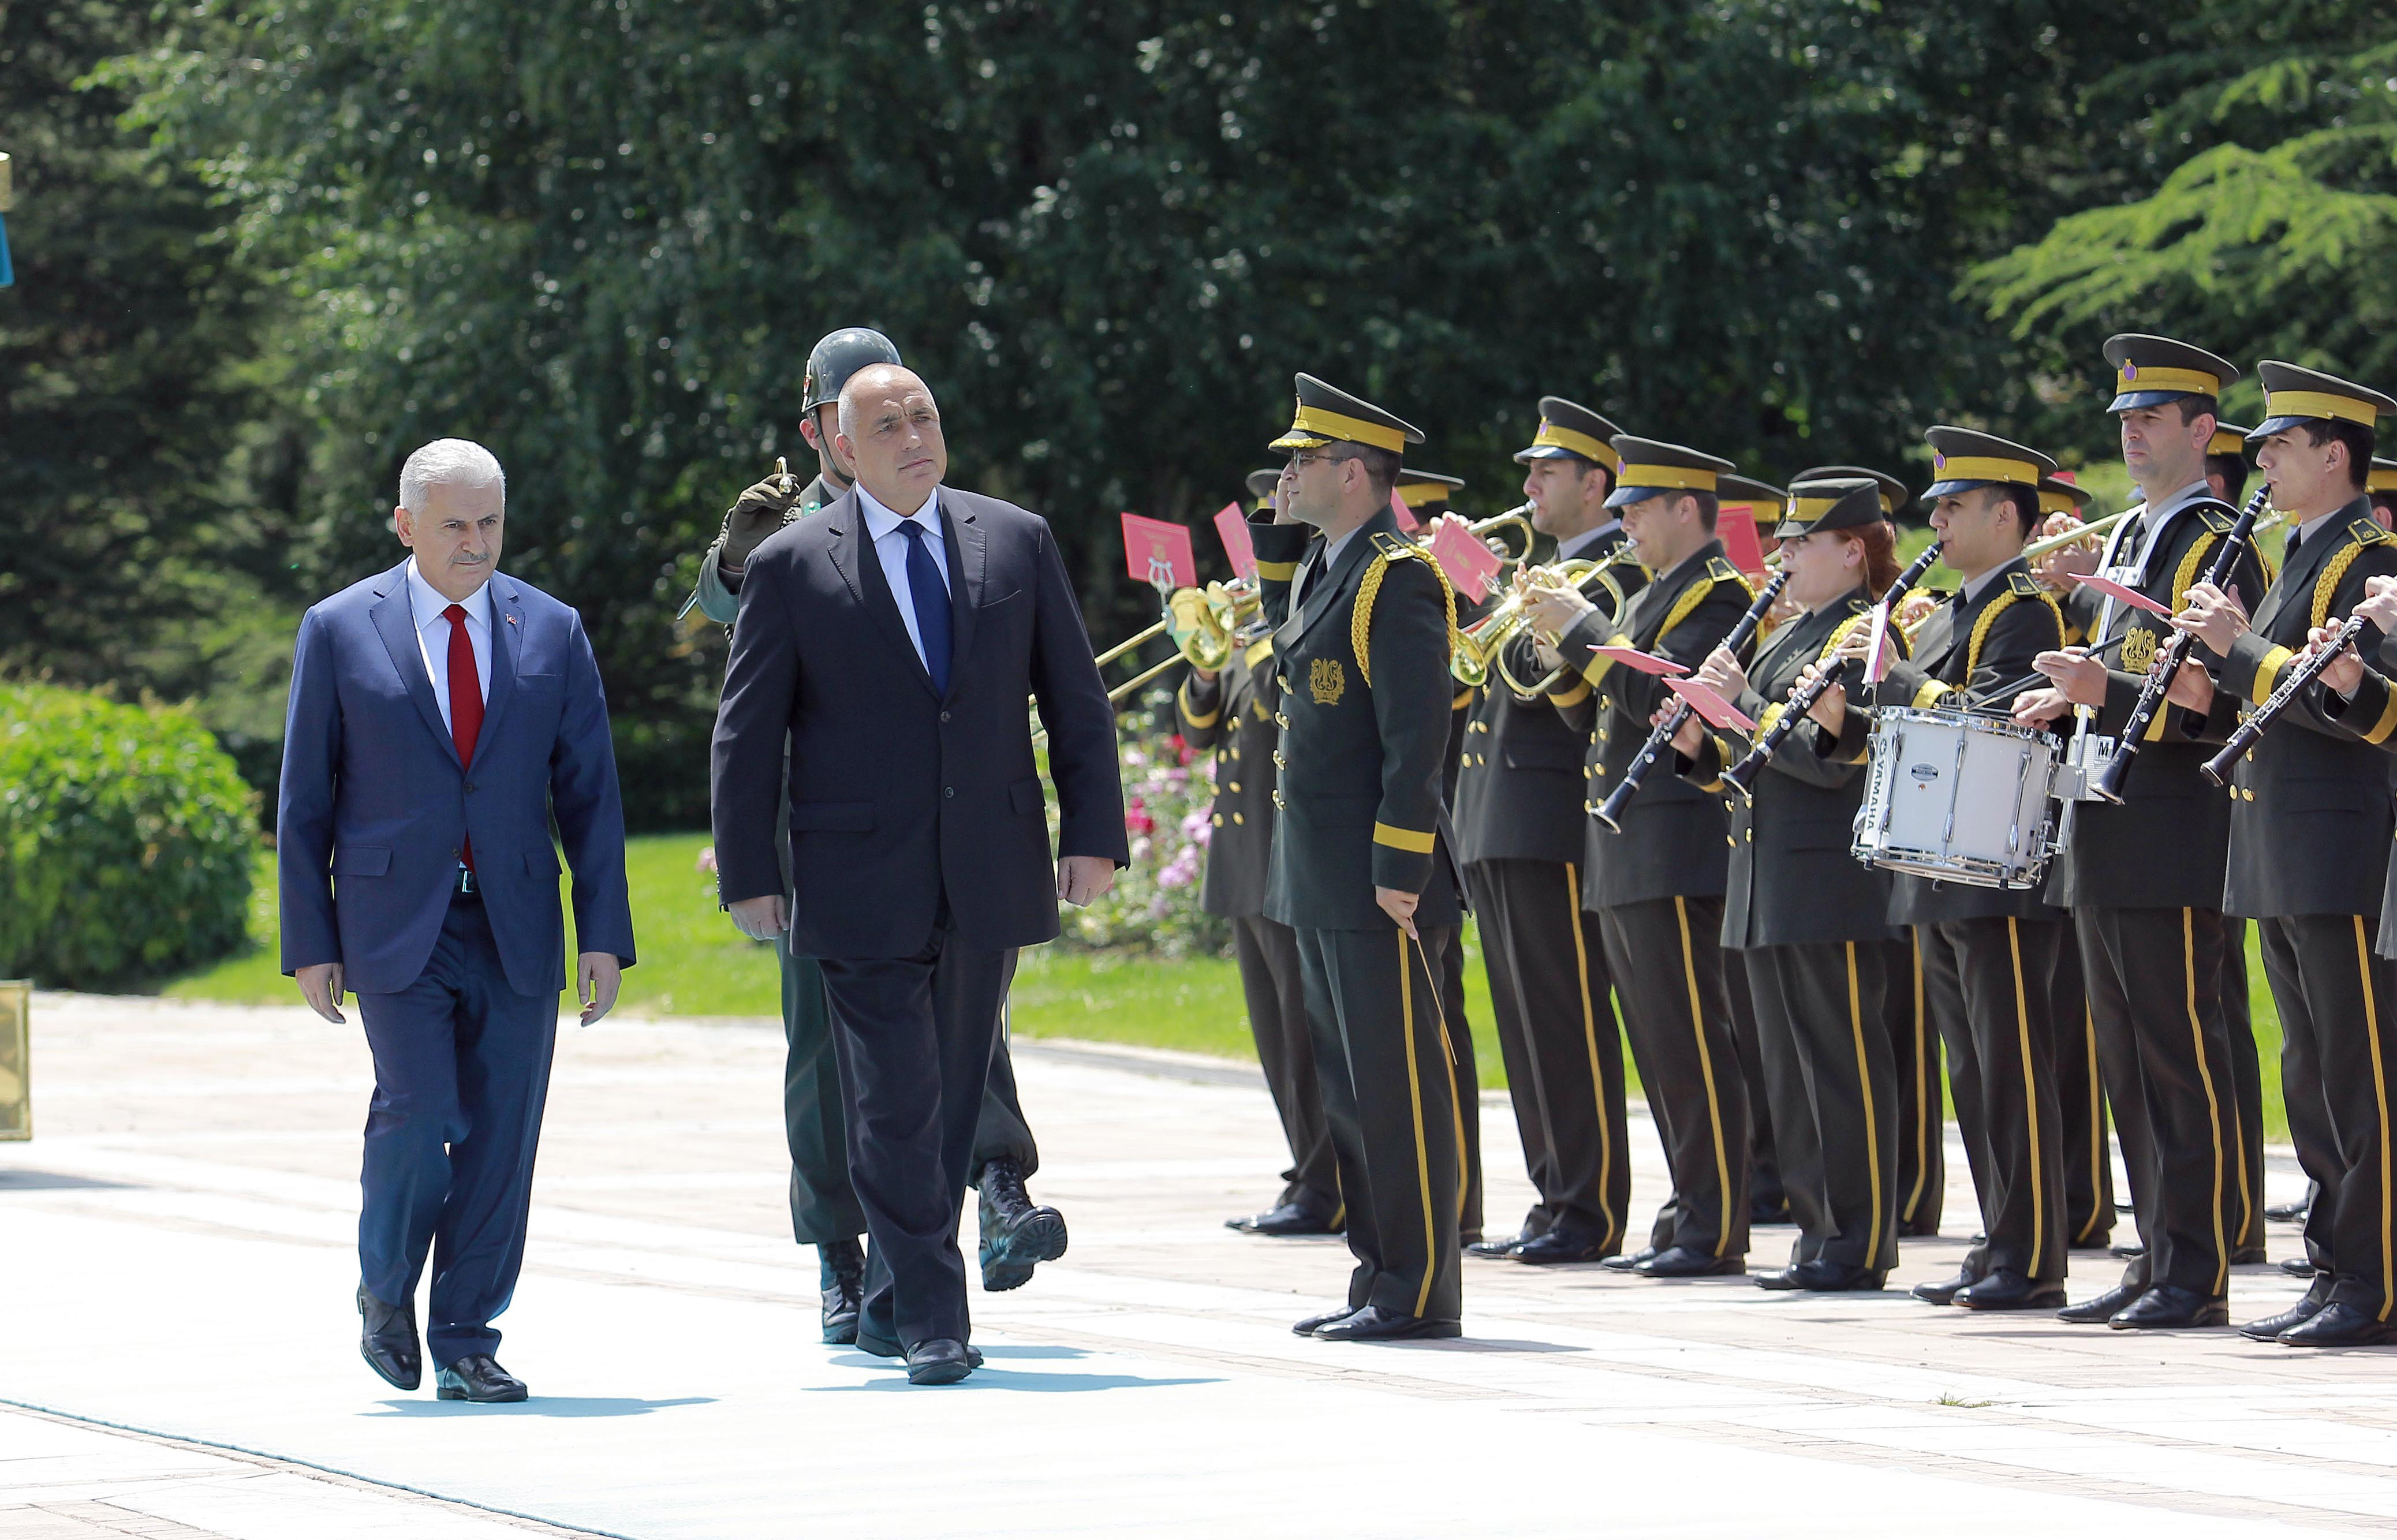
x=2336, y=1067
x=815, y=1120
x=1270, y=982
x=2154, y=978
x=1389, y=1095
x=2081, y=1103
x=1468, y=1082
x=1833, y=1081
x=1986, y=980
x=461, y=1073
x=2247, y=1080
x=916, y=1038
x=1921, y=1110
x=1764, y=1181
x=1667, y=958
x=1555, y=1007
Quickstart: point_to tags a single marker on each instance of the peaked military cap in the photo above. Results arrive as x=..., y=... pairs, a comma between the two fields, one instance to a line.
x=1262, y=484
x=1568, y=428
x=1893, y=491
x=2150, y=372
x=1732, y=489
x=1963, y=458
x=2292, y=396
x=1820, y=506
x=2229, y=439
x=1649, y=468
x=2059, y=496
x=1329, y=415
x=1426, y=493
x=2382, y=477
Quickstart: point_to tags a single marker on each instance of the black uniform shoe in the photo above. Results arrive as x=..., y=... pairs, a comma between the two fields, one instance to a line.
x=1285, y=1219
x=387, y=1340
x=842, y=1265
x=2289, y=1213
x=939, y=1361
x=1945, y=1290
x=1768, y=1211
x=2101, y=1309
x=2004, y=1288
x=2339, y=1324
x=1497, y=1248
x=1016, y=1235
x=2304, y=1311
x=1564, y=1243
x=477, y=1377
x=2169, y=1307
x=2250, y=1256
x=2298, y=1267
x=1822, y=1276
x=1375, y=1324
x=1684, y=1262
x=2126, y=1250
x=1628, y=1262
x=1920, y=1229
x=1308, y=1326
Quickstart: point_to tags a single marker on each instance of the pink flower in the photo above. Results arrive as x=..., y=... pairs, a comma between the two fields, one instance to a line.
x=707, y=858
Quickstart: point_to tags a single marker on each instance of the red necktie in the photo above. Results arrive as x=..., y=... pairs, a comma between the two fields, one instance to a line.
x=465, y=699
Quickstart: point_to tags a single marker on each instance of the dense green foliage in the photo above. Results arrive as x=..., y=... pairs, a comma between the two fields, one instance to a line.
x=125, y=840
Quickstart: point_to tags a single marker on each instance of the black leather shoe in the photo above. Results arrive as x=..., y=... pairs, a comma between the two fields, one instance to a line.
x=2168, y=1307
x=477, y=1377
x=1375, y=1324
x=2289, y=1213
x=2304, y=1311
x=1493, y=1249
x=2004, y=1288
x=2101, y=1309
x=1016, y=1234
x=880, y=1347
x=1945, y=1290
x=1768, y=1211
x=1288, y=1219
x=1920, y=1229
x=1627, y=1260
x=2339, y=1324
x=2250, y=1256
x=387, y=1340
x=1313, y=1324
x=1684, y=1262
x=1564, y=1243
x=1822, y=1276
x=2297, y=1267
x=2126, y=1250
x=939, y=1361
x=842, y=1265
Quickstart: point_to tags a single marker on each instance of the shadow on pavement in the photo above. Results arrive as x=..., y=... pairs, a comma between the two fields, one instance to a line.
x=542, y=1406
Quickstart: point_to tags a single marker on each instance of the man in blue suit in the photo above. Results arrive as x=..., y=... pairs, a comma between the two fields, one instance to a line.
x=442, y=714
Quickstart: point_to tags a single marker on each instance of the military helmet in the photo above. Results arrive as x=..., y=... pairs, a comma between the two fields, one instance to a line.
x=840, y=354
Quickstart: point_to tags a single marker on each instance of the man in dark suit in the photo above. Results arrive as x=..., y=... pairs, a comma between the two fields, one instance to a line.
x=442, y=714
x=892, y=638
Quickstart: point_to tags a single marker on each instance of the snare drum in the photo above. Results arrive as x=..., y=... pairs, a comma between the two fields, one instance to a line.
x=1957, y=797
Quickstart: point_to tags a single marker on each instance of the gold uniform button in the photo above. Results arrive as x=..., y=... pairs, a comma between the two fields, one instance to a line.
x=1236, y=787
x=2251, y=795
x=1751, y=836
x=1237, y=819
x=1219, y=821
x=1236, y=754
x=1727, y=839
x=1278, y=801
x=1585, y=772
x=1279, y=759
x=1281, y=721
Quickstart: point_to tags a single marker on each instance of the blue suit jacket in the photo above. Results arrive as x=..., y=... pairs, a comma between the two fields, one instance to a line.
x=375, y=806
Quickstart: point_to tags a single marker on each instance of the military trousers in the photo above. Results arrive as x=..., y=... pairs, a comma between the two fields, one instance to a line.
x=2337, y=1069
x=2155, y=995
x=2247, y=1080
x=2081, y=1105
x=1765, y=1194
x=1833, y=1079
x=1667, y=958
x=1382, y=1057
x=1554, y=1005
x=1267, y=954
x=1921, y=1089
x=1986, y=981
x=1450, y=961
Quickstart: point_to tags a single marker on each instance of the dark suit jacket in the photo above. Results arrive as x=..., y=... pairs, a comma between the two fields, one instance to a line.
x=1234, y=716
x=899, y=797
x=375, y=806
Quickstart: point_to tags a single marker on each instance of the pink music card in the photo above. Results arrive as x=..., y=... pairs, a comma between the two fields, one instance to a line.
x=1232, y=526
x=1737, y=526
x=1404, y=515
x=1468, y=563
x=1159, y=552
x=1646, y=663
x=1713, y=707
x=2131, y=597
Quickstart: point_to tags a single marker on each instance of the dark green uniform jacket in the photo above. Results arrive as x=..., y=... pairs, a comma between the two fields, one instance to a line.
x=1792, y=879
x=1672, y=843
x=2309, y=803
x=1366, y=704
x=1234, y=716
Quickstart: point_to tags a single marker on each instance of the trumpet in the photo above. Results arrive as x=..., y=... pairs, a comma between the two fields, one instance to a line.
x=1482, y=646
x=1519, y=519
x=1209, y=624
x=2094, y=530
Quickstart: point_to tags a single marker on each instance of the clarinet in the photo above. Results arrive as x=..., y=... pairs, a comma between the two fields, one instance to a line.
x=2108, y=783
x=2217, y=770
x=1610, y=812
x=1803, y=696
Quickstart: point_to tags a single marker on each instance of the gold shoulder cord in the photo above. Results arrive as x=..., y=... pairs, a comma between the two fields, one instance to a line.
x=1360, y=617
x=1988, y=618
x=2326, y=586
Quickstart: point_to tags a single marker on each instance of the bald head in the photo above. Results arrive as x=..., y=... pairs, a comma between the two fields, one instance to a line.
x=890, y=430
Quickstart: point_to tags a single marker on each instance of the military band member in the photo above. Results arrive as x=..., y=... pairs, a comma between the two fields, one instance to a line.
x=1987, y=953
x=1657, y=885
x=1806, y=919
x=1518, y=827
x=2140, y=878
x=1016, y=1234
x=1231, y=712
x=2310, y=837
x=1364, y=628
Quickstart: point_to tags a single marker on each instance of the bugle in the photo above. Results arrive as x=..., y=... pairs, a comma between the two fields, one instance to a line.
x=1660, y=738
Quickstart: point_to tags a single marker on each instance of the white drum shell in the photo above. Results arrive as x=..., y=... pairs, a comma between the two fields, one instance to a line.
x=1957, y=797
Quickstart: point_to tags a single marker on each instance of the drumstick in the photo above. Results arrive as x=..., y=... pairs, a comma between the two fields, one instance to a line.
x=2034, y=677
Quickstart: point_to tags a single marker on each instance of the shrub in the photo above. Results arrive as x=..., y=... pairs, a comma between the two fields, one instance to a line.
x=1154, y=904
x=125, y=840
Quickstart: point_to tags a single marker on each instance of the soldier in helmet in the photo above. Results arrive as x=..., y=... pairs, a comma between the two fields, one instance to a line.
x=1016, y=1234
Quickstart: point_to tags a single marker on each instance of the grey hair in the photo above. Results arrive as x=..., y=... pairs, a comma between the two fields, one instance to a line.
x=458, y=462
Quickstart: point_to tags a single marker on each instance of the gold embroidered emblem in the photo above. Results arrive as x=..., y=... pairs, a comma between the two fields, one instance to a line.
x=2139, y=650
x=1325, y=680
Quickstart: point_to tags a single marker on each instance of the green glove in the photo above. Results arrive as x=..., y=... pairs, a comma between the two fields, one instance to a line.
x=761, y=511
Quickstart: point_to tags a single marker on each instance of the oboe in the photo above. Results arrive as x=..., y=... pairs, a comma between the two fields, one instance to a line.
x=1610, y=812
x=1803, y=696
x=2108, y=783
x=2217, y=770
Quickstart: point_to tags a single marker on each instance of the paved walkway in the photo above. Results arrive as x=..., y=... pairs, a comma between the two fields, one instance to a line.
x=176, y=1258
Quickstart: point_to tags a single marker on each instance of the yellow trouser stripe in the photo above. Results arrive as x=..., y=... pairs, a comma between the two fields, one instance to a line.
x=1597, y=1091
x=1865, y=1095
x=1414, y=1096
x=2380, y=1101
x=2030, y=1096
x=1926, y=1114
x=1705, y=1069
x=1448, y=1062
x=2099, y=1201
x=2213, y=1105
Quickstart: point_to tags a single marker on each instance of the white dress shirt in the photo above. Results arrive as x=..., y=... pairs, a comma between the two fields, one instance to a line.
x=425, y=606
x=1573, y=545
x=890, y=546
